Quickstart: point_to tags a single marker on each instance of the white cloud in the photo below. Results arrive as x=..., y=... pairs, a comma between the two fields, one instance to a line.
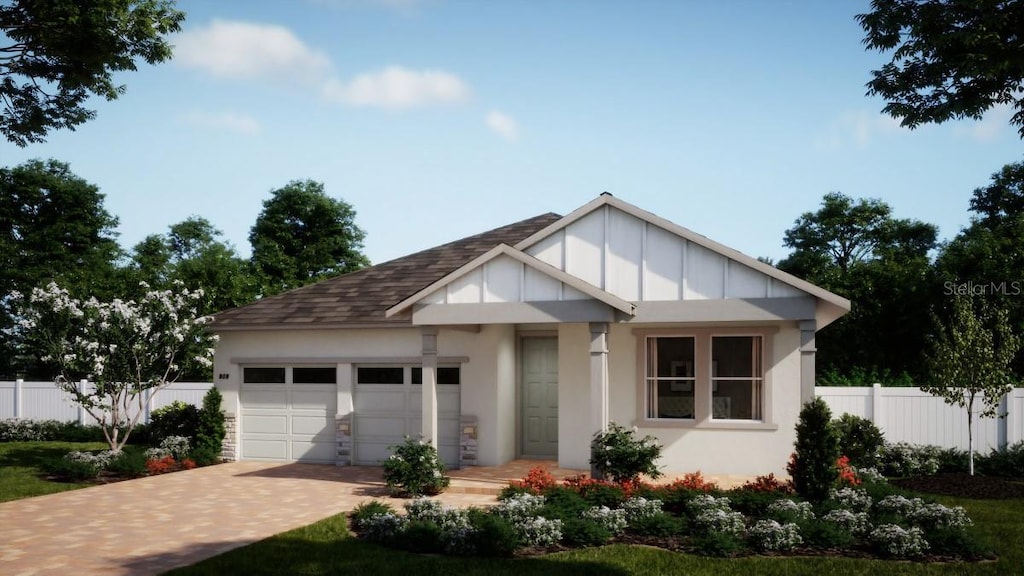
x=857, y=128
x=242, y=50
x=991, y=126
x=502, y=125
x=230, y=121
x=397, y=87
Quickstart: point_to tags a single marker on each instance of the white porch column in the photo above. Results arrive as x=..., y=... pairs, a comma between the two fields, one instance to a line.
x=807, y=352
x=598, y=377
x=429, y=391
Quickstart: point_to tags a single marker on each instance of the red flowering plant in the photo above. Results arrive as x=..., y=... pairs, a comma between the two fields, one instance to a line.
x=768, y=483
x=847, y=473
x=188, y=464
x=160, y=465
x=693, y=481
x=536, y=481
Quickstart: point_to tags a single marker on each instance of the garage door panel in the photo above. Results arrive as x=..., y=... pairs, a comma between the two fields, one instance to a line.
x=380, y=427
x=310, y=425
x=265, y=399
x=264, y=424
x=314, y=400
x=372, y=452
x=381, y=400
x=309, y=451
x=253, y=449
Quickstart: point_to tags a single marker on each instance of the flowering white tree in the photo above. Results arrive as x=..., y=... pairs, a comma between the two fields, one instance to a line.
x=122, y=347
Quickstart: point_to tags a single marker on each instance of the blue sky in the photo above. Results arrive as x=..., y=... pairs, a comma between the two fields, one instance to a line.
x=437, y=119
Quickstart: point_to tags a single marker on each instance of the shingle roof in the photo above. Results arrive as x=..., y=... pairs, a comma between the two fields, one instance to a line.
x=360, y=298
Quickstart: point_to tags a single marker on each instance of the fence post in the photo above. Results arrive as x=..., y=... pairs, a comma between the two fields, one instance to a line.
x=1010, y=421
x=18, y=384
x=876, y=404
x=148, y=407
x=81, y=390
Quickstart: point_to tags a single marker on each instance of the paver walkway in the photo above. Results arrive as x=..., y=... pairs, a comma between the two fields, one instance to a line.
x=150, y=525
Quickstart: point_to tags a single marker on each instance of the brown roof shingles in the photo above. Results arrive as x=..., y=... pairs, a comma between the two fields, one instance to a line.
x=360, y=298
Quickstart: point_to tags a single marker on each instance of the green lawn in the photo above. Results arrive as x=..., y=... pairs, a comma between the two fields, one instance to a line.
x=326, y=548
x=20, y=473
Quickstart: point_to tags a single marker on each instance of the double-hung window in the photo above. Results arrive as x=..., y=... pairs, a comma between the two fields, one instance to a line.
x=724, y=374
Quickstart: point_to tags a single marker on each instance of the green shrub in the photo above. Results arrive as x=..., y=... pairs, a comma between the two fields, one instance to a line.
x=492, y=535
x=823, y=534
x=902, y=460
x=414, y=469
x=859, y=440
x=22, y=430
x=955, y=542
x=752, y=503
x=512, y=490
x=953, y=460
x=366, y=510
x=130, y=463
x=659, y=525
x=71, y=470
x=205, y=456
x=421, y=537
x=580, y=532
x=175, y=419
x=210, y=431
x=619, y=456
x=562, y=503
x=721, y=544
x=602, y=494
x=1006, y=462
x=813, y=466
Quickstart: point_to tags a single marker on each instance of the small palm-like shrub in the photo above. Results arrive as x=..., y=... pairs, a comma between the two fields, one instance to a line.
x=414, y=469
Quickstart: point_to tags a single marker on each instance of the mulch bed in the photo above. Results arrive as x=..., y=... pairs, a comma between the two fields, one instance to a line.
x=963, y=485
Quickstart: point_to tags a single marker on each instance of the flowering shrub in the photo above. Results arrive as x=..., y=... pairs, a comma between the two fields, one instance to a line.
x=930, y=516
x=788, y=509
x=769, y=535
x=639, y=508
x=414, y=468
x=176, y=447
x=159, y=466
x=851, y=499
x=452, y=523
x=620, y=456
x=188, y=464
x=537, y=480
x=870, y=475
x=693, y=481
x=100, y=460
x=614, y=521
x=847, y=473
x=899, y=505
x=902, y=459
x=521, y=512
x=768, y=483
x=714, y=515
x=707, y=501
x=383, y=528
x=897, y=542
x=855, y=523
x=519, y=505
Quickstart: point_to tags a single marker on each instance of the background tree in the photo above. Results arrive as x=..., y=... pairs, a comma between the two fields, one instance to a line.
x=988, y=255
x=303, y=235
x=53, y=226
x=970, y=360
x=54, y=55
x=859, y=250
x=951, y=58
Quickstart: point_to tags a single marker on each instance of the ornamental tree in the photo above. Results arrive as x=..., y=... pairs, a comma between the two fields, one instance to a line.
x=122, y=347
x=970, y=361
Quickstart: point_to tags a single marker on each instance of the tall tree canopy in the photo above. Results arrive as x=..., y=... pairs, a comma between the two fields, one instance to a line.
x=55, y=54
x=303, y=235
x=193, y=253
x=859, y=250
x=950, y=58
x=53, y=226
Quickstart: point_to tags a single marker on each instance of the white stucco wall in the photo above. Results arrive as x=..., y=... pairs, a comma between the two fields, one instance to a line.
x=574, y=396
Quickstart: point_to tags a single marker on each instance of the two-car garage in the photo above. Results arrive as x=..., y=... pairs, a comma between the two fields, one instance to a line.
x=288, y=412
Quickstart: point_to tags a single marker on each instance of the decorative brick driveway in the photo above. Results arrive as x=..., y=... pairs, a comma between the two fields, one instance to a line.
x=150, y=525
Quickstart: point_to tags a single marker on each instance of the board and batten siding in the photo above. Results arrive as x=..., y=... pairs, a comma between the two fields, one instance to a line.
x=620, y=254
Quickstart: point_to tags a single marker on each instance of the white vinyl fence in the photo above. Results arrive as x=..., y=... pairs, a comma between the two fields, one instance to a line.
x=44, y=401
x=911, y=415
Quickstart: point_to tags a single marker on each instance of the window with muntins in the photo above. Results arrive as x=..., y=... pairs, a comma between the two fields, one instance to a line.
x=670, y=377
x=737, y=377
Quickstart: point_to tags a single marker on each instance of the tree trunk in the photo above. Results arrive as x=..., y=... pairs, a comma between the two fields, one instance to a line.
x=970, y=435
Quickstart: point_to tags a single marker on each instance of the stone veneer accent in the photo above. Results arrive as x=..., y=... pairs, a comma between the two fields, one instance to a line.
x=228, y=450
x=343, y=433
x=468, y=427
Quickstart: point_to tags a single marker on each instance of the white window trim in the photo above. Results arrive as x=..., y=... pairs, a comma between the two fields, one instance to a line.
x=702, y=387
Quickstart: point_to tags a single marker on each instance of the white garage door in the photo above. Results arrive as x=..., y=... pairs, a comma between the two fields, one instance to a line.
x=388, y=406
x=288, y=413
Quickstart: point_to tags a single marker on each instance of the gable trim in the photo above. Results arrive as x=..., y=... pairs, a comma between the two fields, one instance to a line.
x=606, y=199
x=524, y=258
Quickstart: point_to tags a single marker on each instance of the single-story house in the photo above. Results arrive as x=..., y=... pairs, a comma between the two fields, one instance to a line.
x=524, y=341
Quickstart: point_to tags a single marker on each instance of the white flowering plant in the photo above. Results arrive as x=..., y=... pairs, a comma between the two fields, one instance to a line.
x=898, y=542
x=714, y=515
x=639, y=508
x=856, y=523
x=621, y=456
x=786, y=509
x=769, y=535
x=414, y=469
x=853, y=499
x=612, y=520
x=122, y=348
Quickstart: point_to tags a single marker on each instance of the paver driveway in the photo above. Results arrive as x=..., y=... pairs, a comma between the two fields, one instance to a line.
x=150, y=525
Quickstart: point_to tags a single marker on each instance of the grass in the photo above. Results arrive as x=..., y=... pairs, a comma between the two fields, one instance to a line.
x=326, y=548
x=20, y=467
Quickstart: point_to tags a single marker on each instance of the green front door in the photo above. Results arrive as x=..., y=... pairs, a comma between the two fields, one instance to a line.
x=539, y=396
